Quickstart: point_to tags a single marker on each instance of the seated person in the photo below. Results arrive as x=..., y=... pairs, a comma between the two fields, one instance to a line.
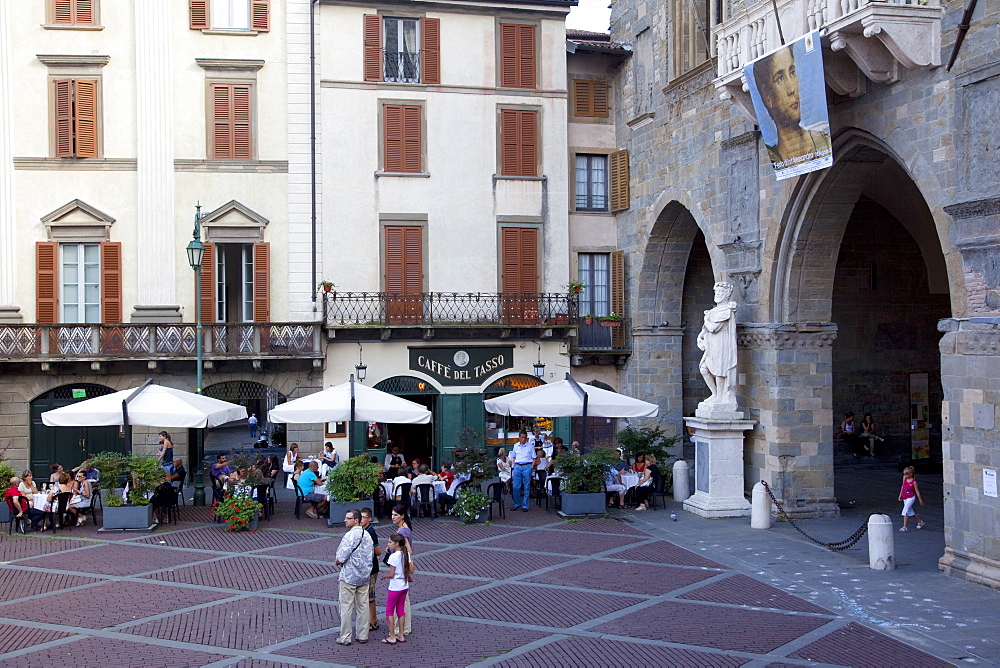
x=413, y=470
x=93, y=475
x=236, y=478
x=309, y=479
x=615, y=486
x=27, y=485
x=423, y=477
x=220, y=469
x=647, y=479
x=274, y=466
x=164, y=496
x=176, y=478
x=329, y=458
x=557, y=449
x=621, y=464
x=80, y=501
x=57, y=470
x=541, y=463
x=400, y=479
x=446, y=475
x=22, y=504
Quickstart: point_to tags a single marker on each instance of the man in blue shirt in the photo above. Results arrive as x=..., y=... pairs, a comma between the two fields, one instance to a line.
x=308, y=481
x=524, y=455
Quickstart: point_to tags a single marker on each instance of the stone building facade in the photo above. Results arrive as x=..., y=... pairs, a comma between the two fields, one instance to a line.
x=846, y=277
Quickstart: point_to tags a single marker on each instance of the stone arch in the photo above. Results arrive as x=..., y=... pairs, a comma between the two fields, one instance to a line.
x=816, y=216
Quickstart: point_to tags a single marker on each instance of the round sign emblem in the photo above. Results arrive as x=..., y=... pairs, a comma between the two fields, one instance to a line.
x=461, y=358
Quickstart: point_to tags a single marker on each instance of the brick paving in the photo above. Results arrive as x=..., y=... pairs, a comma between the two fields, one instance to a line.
x=525, y=590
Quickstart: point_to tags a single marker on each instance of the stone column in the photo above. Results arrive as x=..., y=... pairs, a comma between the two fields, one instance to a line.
x=156, y=242
x=970, y=367
x=785, y=380
x=8, y=224
x=655, y=372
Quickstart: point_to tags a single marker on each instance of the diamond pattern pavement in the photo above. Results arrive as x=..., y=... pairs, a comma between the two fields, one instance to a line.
x=525, y=590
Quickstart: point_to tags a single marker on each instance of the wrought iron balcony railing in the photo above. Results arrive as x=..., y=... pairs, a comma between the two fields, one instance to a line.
x=601, y=338
x=22, y=342
x=434, y=309
x=402, y=66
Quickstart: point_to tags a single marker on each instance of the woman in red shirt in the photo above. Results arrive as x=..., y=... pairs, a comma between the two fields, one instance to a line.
x=639, y=465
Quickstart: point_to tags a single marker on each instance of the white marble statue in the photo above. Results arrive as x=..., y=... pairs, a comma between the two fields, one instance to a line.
x=718, y=365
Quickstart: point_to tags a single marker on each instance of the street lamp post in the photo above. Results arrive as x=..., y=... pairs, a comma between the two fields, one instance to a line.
x=195, y=253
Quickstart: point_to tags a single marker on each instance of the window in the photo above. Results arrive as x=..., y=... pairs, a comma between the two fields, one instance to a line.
x=230, y=15
x=78, y=282
x=76, y=118
x=620, y=195
x=594, y=271
x=404, y=273
x=517, y=55
x=519, y=274
x=590, y=98
x=518, y=142
x=402, y=50
x=72, y=12
x=231, y=122
x=693, y=40
x=591, y=182
x=235, y=282
x=402, y=138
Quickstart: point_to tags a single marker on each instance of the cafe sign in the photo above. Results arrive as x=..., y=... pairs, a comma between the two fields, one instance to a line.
x=451, y=365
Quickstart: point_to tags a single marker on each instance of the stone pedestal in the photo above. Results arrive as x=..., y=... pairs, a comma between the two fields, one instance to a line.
x=718, y=467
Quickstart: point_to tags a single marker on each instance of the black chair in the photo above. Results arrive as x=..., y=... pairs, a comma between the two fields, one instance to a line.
x=448, y=500
x=265, y=499
x=425, y=499
x=553, y=487
x=165, y=500
x=218, y=491
x=13, y=518
x=655, y=489
x=402, y=491
x=180, y=491
x=496, y=491
x=95, y=500
x=538, y=488
x=299, y=498
x=58, y=511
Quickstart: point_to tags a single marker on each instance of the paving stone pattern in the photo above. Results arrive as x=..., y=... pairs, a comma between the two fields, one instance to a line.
x=522, y=591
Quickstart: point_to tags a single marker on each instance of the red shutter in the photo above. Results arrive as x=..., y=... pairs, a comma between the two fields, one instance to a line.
x=518, y=142
x=222, y=127
x=62, y=11
x=519, y=277
x=528, y=137
x=404, y=273
x=508, y=55
x=262, y=282
x=413, y=269
x=393, y=138
x=85, y=111
x=64, y=118
x=84, y=12
x=618, y=295
x=208, y=284
x=242, y=124
x=259, y=15
x=373, y=47
x=430, y=55
x=394, y=254
x=526, y=56
x=46, y=282
x=198, y=11
x=411, y=139
x=111, y=282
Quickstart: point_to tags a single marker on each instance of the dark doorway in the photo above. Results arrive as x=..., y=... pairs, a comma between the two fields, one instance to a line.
x=68, y=446
x=415, y=441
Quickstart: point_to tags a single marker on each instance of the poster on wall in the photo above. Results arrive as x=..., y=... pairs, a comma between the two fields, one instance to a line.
x=919, y=414
x=788, y=90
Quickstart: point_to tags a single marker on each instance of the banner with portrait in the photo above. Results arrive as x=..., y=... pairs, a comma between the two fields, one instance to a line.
x=788, y=90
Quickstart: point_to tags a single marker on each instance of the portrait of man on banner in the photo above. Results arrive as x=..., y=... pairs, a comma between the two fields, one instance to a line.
x=788, y=91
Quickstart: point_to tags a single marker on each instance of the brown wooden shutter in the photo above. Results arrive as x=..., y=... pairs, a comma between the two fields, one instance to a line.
x=508, y=55
x=430, y=55
x=393, y=137
x=620, y=198
x=85, y=112
x=260, y=15
x=198, y=11
x=262, y=282
x=62, y=11
x=46, y=282
x=64, y=118
x=517, y=55
x=208, y=284
x=529, y=143
x=411, y=139
x=242, y=124
x=510, y=159
x=601, y=106
x=222, y=129
x=394, y=255
x=84, y=12
x=590, y=98
x=373, y=47
x=618, y=295
x=526, y=56
x=519, y=274
x=518, y=142
x=111, y=282
x=404, y=273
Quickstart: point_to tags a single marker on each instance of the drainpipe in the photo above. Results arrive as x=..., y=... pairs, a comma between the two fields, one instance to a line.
x=312, y=138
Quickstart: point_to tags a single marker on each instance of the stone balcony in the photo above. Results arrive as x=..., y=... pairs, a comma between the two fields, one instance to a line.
x=862, y=40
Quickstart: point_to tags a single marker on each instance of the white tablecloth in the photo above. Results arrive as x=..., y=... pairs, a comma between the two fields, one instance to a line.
x=630, y=480
x=439, y=487
x=38, y=501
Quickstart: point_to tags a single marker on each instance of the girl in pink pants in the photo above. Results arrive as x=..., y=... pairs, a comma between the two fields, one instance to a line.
x=400, y=569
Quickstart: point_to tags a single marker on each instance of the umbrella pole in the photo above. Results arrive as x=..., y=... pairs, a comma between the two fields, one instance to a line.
x=126, y=427
x=350, y=428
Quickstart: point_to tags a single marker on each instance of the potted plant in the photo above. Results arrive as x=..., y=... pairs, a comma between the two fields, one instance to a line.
x=351, y=483
x=326, y=286
x=588, y=319
x=575, y=287
x=141, y=473
x=583, y=483
x=613, y=320
x=238, y=510
x=472, y=504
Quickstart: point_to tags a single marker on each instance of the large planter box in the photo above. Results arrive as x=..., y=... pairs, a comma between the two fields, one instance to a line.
x=338, y=509
x=127, y=517
x=581, y=504
x=4, y=513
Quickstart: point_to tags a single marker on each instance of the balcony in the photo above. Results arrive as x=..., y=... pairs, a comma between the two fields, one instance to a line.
x=596, y=343
x=866, y=40
x=448, y=310
x=96, y=343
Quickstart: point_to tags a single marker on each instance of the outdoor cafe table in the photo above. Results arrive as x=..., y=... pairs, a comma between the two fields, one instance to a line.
x=630, y=480
x=439, y=487
x=38, y=501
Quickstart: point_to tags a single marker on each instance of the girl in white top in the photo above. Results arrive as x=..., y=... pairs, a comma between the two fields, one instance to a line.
x=541, y=462
x=504, y=467
x=288, y=464
x=27, y=486
x=400, y=569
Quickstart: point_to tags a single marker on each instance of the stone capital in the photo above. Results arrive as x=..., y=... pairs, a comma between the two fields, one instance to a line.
x=782, y=336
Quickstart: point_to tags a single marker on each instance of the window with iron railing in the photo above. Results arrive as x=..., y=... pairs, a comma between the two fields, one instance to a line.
x=402, y=66
x=591, y=182
x=401, y=54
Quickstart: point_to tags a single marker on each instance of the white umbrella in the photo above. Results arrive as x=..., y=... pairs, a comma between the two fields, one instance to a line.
x=338, y=404
x=567, y=398
x=152, y=406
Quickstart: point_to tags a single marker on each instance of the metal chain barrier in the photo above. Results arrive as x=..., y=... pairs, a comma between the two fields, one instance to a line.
x=836, y=547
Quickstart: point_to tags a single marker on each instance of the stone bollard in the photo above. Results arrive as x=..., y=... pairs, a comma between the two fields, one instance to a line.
x=881, y=548
x=760, y=508
x=682, y=488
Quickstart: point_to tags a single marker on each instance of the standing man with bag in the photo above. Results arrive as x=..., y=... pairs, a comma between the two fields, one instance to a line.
x=354, y=556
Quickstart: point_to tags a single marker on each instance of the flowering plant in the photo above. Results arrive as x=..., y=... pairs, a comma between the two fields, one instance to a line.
x=237, y=510
x=575, y=287
x=470, y=505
